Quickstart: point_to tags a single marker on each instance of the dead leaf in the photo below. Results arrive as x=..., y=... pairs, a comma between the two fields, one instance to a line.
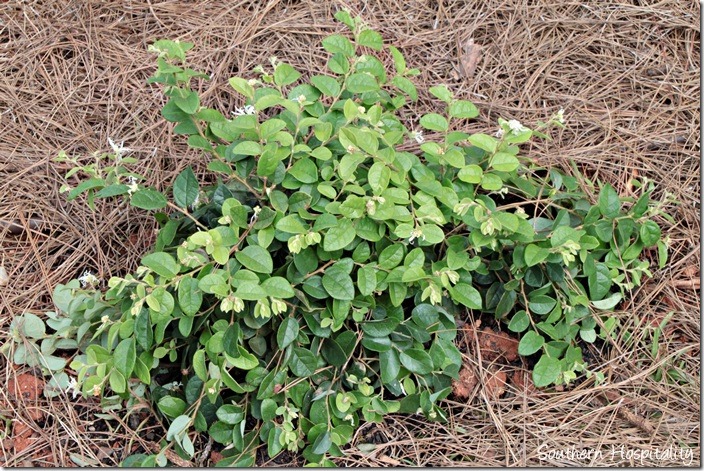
x=469, y=59
x=389, y=460
x=463, y=387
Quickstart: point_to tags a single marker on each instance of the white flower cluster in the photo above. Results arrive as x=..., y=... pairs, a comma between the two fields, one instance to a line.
x=249, y=109
x=88, y=280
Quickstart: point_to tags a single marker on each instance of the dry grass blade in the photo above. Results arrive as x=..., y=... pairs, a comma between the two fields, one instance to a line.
x=73, y=74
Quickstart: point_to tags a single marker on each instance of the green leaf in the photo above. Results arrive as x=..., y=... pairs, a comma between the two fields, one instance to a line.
x=143, y=332
x=588, y=335
x=530, y=343
x=471, y=174
x=534, y=254
x=441, y=92
x=406, y=86
x=336, y=43
x=361, y=83
x=322, y=444
x=125, y=356
x=599, y=282
x=366, y=280
x=378, y=176
x=504, y=162
x=247, y=148
x=242, y=86
x=338, y=284
x=172, y=406
x=467, y=295
x=302, y=362
x=463, y=109
x=327, y=85
x=187, y=100
x=413, y=274
x=339, y=236
x=434, y=122
x=231, y=340
x=391, y=256
x=30, y=325
x=85, y=186
x=519, y=322
x=292, y=224
x=230, y=414
x=148, y=199
x=287, y=333
x=185, y=188
x=284, y=75
x=278, y=287
x=199, y=367
x=608, y=303
x=371, y=39
x=650, y=233
x=484, y=142
x=399, y=60
x=214, y=283
x=416, y=361
x=390, y=365
x=162, y=263
x=255, y=258
x=609, y=202
x=179, y=425
x=546, y=371
x=541, y=304
x=305, y=171
x=190, y=297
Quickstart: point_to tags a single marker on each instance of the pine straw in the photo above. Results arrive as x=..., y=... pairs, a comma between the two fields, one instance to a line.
x=73, y=74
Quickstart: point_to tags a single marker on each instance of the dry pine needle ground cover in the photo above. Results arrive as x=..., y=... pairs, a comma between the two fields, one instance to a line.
x=73, y=74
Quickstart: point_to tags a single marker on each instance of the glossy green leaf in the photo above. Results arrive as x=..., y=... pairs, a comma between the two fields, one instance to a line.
x=125, y=356
x=530, y=343
x=416, y=361
x=287, y=333
x=185, y=188
x=148, y=199
x=609, y=202
x=467, y=295
x=255, y=258
x=162, y=263
x=546, y=371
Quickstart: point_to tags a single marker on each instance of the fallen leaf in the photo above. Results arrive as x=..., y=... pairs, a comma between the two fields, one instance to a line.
x=389, y=460
x=469, y=59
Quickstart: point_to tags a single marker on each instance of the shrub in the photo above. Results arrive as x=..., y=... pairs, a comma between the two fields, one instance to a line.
x=316, y=284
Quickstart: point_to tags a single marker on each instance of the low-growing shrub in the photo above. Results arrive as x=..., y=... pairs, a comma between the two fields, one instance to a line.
x=316, y=284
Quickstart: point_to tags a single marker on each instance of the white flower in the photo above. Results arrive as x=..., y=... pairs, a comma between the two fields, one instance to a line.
x=88, y=279
x=418, y=136
x=118, y=149
x=416, y=234
x=73, y=388
x=132, y=185
x=560, y=116
x=301, y=99
x=255, y=215
x=249, y=109
x=515, y=126
x=499, y=133
x=105, y=319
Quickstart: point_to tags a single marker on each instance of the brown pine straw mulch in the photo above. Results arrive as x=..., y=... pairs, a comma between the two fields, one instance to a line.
x=73, y=74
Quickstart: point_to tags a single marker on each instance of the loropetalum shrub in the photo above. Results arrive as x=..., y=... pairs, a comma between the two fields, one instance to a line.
x=316, y=284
